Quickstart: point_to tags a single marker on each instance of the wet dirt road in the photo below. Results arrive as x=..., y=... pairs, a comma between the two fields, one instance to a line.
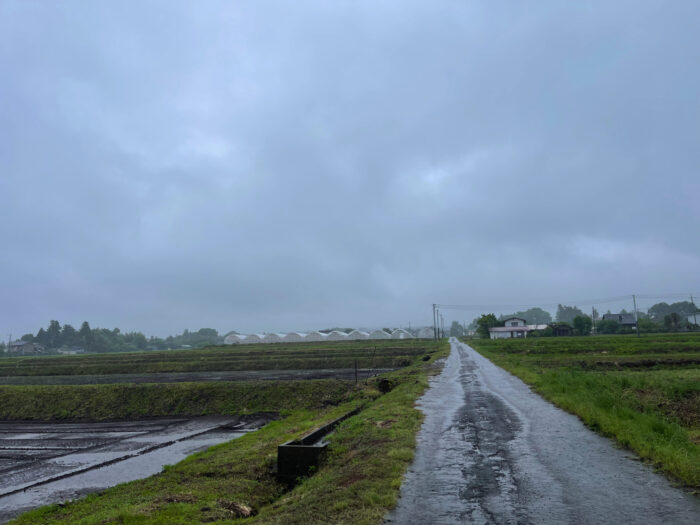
x=492, y=451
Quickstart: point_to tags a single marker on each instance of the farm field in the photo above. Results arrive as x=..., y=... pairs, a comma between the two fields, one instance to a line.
x=643, y=392
x=358, y=482
x=282, y=356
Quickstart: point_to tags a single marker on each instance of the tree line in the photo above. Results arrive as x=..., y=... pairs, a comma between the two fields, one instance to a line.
x=661, y=317
x=89, y=339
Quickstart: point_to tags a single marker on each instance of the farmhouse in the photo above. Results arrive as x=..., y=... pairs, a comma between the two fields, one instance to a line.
x=24, y=348
x=625, y=319
x=514, y=327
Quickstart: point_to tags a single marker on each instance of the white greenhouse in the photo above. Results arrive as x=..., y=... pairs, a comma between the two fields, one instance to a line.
x=234, y=339
x=314, y=336
x=400, y=333
x=337, y=335
x=356, y=335
x=272, y=338
x=426, y=333
x=379, y=334
x=253, y=339
x=294, y=337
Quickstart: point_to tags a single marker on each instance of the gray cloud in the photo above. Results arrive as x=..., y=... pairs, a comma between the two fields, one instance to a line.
x=269, y=166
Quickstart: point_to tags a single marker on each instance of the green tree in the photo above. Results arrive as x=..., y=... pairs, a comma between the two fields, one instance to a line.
x=672, y=322
x=608, y=327
x=69, y=335
x=647, y=325
x=566, y=314
x=53, y=334
x=485, y=322
x=456, y=329
x=582, y=325
x=28, y=338
x=86, y=336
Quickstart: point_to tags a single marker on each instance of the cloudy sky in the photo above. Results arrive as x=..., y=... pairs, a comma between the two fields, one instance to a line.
x=272, y=166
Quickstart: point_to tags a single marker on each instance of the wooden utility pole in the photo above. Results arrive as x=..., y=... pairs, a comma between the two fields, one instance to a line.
x=593, y=318
x=636, y=316
x=695, y=310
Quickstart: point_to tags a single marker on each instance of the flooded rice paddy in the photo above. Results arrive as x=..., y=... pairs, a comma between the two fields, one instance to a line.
x=42, y=463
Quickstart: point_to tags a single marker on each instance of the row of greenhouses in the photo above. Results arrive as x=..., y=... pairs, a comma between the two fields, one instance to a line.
x=314, y=336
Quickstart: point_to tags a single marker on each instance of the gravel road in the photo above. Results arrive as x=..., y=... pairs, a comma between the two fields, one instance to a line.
x=492, y=451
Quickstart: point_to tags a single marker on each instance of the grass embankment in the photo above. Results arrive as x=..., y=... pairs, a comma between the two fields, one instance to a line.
x=358, y=482
x=127, y=401
x=643, y=392
x=282, y=356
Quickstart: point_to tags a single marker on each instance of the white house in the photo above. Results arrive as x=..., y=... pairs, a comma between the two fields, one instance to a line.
x=315, y=336
x=337, y=335
x=294, y=337
x=379, y=334
x=514, y=327
x=400, y=333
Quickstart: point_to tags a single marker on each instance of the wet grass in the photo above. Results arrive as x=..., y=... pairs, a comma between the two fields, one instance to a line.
x=139, y=401
x=282, y=356
x=627, y=389
x=358, y=482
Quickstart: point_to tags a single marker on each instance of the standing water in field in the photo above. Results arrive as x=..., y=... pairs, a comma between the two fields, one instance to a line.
x=52, y=463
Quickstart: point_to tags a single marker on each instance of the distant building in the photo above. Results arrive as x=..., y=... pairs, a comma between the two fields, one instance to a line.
x=625, y=320
x=25, y=348
x=515, y=327
x=357, y=335
x=400, y=333
x=234, y=339
x=561, y=329
x=294, y=337
x=379, y=334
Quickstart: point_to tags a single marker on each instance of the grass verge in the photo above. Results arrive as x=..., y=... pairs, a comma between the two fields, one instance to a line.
x=654, y=412
x=357, y=484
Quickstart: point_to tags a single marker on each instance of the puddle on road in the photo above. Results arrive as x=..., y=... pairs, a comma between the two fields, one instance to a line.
x=156, y=446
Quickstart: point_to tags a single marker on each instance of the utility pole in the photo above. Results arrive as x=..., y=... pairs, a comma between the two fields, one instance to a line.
x=636, y=316
x=695, y=310
x=434, y=323
x=593, y=318
x=442, y=325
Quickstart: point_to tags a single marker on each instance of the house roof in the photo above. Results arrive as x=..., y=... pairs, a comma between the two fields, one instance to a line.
x=514, y=317
x=620, y=318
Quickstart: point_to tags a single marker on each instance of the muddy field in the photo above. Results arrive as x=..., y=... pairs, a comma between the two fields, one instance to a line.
x=177, y=377
x=50, y=463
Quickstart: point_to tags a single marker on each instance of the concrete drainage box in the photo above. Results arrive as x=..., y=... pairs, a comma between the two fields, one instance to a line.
x=300, y=457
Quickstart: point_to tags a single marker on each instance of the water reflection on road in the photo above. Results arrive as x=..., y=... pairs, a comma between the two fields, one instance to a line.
x=492, y=451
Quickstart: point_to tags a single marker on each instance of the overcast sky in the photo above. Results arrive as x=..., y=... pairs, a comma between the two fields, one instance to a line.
x=265, y=166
